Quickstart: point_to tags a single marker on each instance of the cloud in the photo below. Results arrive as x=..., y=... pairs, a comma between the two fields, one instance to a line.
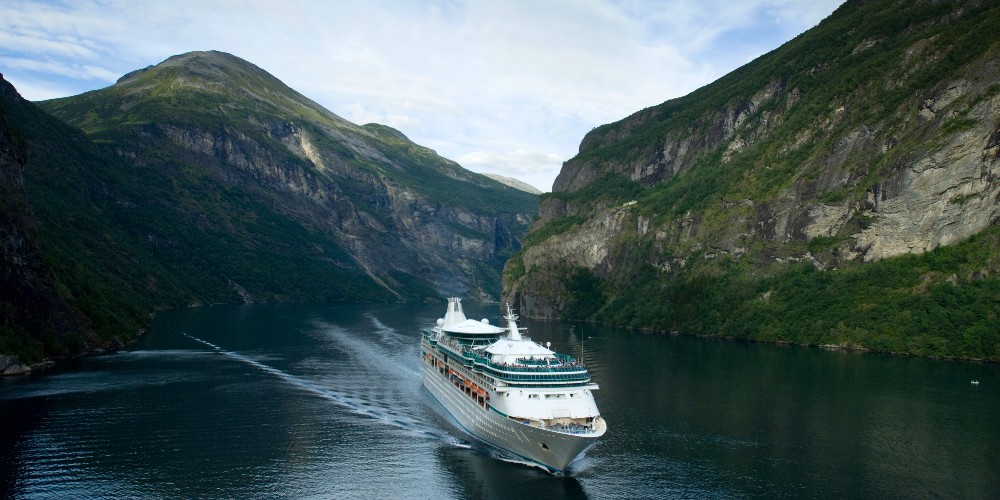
x=41, y=90
x=81, y=71
x=534, y=167
x=513, y=84
x=37, y=43
x=361, y=115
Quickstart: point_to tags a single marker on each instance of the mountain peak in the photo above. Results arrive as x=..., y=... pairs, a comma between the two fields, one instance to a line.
x=211, y=64
x=205, y=68
x=370, y=205
x=203, y=83
x=214, y=64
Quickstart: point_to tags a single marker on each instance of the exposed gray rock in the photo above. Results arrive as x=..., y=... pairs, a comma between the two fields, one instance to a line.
x=11, y=366
x=907, y=180
x=939, y=199
x=388, y=202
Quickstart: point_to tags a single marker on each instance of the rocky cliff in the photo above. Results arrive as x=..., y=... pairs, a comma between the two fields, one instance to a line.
x=411, y=222
x=32, y=313
x=206, y=180
x=872, y=136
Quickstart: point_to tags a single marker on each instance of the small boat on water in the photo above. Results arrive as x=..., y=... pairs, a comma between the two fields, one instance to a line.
x=508, y=391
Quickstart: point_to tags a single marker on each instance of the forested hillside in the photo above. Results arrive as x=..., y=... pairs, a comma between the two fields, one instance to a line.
x=205, y=180
x=840, y=190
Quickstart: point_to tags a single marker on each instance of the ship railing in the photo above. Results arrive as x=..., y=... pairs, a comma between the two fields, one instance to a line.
x=567, y=369
x=428, y=336
x=571, y=429
x=560, y=359
x=541, y=376
x=455, y=347
x=567, y=364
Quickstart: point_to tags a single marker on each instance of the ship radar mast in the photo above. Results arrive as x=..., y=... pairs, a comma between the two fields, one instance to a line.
x=512, y=323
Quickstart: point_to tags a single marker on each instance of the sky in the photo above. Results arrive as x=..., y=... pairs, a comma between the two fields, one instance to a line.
x=500, y=86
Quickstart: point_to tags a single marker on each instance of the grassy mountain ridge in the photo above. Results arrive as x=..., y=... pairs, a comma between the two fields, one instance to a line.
x=870, y=137
x=209, y=90
x=206, y=180
x=360, y=187
x=859, y=68
x=123, y=242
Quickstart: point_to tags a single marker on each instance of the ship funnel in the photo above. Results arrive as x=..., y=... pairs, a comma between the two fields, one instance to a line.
x=454, y=314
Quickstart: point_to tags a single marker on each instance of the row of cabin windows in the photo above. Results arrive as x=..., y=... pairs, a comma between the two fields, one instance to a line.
x=554, y=396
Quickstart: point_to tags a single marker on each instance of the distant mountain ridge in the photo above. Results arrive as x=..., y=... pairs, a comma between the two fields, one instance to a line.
x=204, y=179
x=514, y=183
x=840, y=190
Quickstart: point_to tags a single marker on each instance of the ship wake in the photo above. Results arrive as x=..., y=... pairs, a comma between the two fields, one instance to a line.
x=357, y=405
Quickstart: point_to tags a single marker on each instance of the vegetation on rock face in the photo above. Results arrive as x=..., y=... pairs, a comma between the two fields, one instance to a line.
x=34, y=319
x=205, y=180
x=123, y=242
x=861, y=68
x=945, y=302
x=781, y=202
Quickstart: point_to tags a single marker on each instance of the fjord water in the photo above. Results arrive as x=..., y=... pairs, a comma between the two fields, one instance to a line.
x=326, y=401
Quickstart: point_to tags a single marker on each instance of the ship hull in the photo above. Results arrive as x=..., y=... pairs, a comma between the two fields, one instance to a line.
x=552, y=450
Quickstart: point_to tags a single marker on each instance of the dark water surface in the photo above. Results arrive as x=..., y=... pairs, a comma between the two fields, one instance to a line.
x=326, y=401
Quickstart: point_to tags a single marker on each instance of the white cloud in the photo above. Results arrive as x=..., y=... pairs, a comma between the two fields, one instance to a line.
x=511, y=85
x=806, y=14
x=534, y=167
x=33, y=90
x=81, y=71
x=35, y=43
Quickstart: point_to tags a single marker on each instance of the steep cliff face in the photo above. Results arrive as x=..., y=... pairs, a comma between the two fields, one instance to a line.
x=413, y=223
x=872, y=136
x=34, y=319
x=205, y=180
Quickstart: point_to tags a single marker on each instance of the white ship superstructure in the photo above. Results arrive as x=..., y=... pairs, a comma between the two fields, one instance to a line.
x=509, y=391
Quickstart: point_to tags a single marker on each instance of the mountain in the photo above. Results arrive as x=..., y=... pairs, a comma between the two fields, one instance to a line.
x=370, y=201
x=40, y=315
x=206, y=180
x=412, y=222
x=840, y=190
x=33, y=313
x=514, y=183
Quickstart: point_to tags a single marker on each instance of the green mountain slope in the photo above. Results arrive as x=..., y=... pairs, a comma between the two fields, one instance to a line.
x=787, y=200
x=206, y=180
x=34, y=318
x=239, y=143
x=123, y=242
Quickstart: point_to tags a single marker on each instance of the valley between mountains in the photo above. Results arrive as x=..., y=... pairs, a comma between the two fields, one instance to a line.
x=842, y=191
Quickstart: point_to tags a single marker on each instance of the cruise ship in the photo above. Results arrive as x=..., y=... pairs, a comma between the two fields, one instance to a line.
x=509, y=391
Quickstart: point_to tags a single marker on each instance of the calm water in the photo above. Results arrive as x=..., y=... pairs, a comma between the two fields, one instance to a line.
x=297, y=401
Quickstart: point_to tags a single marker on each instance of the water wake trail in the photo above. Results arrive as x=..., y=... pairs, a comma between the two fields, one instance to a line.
x=385, y=330
x=351, y=403
x=371, y=355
